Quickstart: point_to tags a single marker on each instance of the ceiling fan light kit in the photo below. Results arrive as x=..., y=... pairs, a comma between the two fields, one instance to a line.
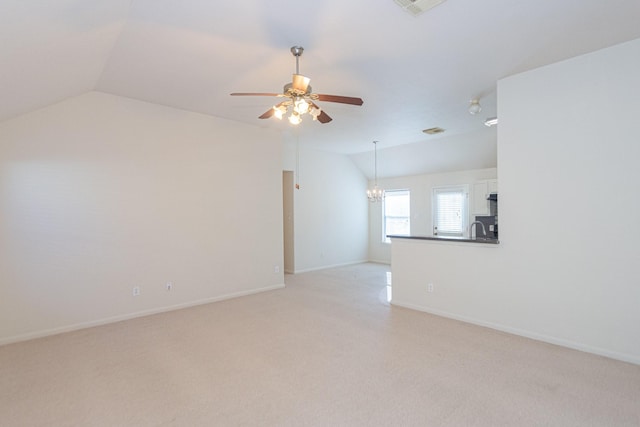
x=300, y=98
x=294, y=118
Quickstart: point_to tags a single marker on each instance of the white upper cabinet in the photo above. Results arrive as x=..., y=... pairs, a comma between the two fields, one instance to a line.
x=492, y=186
x=480, y=192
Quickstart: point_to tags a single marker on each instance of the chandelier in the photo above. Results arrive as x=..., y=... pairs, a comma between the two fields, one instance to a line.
x=376, y=194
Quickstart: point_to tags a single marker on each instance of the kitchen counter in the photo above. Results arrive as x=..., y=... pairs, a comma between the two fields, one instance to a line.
x=448, y=239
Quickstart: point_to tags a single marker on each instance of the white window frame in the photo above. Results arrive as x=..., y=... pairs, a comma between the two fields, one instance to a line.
x=463, y=189
x=385, y=239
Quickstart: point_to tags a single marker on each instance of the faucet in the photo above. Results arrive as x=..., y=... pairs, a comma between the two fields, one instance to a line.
x=484, y=231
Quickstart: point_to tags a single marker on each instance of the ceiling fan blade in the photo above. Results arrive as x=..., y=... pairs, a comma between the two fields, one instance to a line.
x=255, y=94
x=267, y=114
x=271, y=111
x=340, y=99
x=322, y=117
x=300, y=83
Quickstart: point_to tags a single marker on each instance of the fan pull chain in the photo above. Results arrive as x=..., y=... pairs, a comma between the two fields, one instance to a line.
x=297, y=159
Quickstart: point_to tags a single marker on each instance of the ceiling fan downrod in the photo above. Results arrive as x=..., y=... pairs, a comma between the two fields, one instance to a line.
x=297, y=52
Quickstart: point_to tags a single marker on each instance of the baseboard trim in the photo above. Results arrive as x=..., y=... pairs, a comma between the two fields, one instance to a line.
x=120, y=318
x=525, y=333
x=379, y=261
x=307, y=270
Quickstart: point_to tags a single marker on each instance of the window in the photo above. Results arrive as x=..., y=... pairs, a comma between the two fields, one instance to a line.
x=395, y=214
x=450, y=210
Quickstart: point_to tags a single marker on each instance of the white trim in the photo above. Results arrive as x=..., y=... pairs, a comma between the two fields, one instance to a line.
x=307, y=270
x=524, y=333
x=120, y=318
x=380, y=261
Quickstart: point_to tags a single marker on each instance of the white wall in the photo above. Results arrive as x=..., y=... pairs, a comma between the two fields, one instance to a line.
x=566, y=270
x=433, y=155
x=101, y=193
x=421, y=187
x=330, y=209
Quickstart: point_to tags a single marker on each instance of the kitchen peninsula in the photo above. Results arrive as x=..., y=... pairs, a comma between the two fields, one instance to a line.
x=448, y=239
x=446, y=276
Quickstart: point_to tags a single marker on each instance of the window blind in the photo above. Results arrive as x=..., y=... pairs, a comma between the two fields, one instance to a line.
x=450, y=208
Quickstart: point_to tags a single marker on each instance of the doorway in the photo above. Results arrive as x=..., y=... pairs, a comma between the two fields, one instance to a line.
x=287, y=221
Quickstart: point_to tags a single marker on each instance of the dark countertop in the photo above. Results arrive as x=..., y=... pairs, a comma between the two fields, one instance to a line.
x=448, y=239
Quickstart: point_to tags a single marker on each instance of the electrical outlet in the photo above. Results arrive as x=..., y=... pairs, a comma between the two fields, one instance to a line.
x=136, y=291
x=276, y=269
x=169, y=286
x=429, y=287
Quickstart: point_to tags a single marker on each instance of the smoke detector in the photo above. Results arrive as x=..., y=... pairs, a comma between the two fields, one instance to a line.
x=416, y=7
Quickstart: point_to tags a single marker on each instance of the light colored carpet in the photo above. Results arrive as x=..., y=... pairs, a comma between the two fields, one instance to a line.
x=325, y=351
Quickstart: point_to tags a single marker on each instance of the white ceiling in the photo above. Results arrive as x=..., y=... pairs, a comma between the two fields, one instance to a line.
x=412, y=72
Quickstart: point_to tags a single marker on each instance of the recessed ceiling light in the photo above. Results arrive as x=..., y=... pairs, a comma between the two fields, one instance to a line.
x=433, y=131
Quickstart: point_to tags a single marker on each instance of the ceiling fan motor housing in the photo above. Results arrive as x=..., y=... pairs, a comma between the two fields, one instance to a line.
x=296, y=90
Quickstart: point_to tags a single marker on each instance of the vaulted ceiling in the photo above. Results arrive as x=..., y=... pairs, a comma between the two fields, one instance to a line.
x=412, y=72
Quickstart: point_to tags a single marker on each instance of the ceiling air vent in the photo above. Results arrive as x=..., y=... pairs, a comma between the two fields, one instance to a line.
x=433, y=131
x=416, y=7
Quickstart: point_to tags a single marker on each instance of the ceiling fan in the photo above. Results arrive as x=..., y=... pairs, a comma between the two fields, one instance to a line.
x=300, y=99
